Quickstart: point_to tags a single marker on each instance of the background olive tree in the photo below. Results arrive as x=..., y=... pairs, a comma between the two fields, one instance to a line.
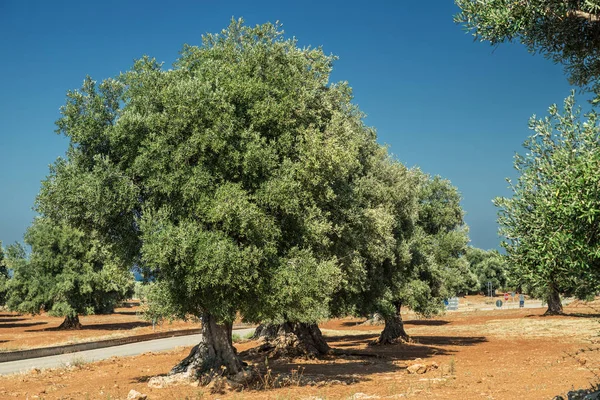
x=411, y=239
x=67, y=273
x=550, y=224
x=437, y=268
x=487, y=266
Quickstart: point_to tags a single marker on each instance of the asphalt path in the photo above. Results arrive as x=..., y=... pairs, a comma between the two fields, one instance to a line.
x=124, y=350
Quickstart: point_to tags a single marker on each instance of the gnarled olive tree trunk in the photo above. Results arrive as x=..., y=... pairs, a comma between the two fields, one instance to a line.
x=554, y=303
x=292, y=339
x=393, y=332
x=215, y=351
x=266, y=331
x=70, y=322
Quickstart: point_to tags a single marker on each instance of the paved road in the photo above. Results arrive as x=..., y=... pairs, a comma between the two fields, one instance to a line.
x=131, y=349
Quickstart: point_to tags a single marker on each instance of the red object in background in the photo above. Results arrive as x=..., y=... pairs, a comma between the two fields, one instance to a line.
x=505, y=296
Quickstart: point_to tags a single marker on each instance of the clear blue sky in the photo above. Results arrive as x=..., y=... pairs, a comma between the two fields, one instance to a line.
x=439, y=100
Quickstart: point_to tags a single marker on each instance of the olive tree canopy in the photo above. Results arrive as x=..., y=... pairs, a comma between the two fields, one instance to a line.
x=224, y=177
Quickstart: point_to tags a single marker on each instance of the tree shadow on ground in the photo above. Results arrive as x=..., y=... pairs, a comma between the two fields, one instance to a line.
x=339, y=368
x=145, y=378
x=350, y=340
x=449, y=340
x=22, y=325
x=568, y=315
x=353, y=323
x=3, y=320
x=426, y=322
x=101, y=327
x=352, y=355
x=126, y=312
x=420, y=347
x=10, y=315
x=581, y=315
x=352, y=361
x=118, y=326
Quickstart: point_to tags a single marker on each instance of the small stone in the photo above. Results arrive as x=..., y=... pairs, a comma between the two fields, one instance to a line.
x=417, y=369
x=361, y=396
x=159, y=382
x=156, y=383
x=135, y=395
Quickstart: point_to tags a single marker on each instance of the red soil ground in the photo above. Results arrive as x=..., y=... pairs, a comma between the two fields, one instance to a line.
x=516, y=354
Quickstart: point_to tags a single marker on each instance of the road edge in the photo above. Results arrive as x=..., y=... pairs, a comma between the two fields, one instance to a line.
x=99, y=344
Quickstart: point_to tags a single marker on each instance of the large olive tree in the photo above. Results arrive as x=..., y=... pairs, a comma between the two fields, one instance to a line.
x=223, y=177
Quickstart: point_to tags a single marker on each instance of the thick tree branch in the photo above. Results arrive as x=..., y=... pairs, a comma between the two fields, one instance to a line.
x=586, y=15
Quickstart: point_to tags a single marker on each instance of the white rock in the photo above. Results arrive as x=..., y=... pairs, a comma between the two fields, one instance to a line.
x=135, y=395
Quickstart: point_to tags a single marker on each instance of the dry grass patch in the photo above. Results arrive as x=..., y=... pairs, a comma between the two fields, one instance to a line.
x=562, y=328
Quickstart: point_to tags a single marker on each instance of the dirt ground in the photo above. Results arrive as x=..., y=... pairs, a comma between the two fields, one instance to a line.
x=20, y=332
x=516, y=354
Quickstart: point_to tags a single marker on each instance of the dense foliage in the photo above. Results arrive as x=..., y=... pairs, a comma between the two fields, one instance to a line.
x=567, y=32
x=438, y=267
x=67, y=273
x=226, y=178
x=242, y=182
x=487, y=266
x=410, y=241
x=550, y=224
x=375, y=236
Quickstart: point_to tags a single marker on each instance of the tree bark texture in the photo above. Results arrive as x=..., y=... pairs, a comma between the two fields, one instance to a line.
x=393, y=332
x=215, y=352
x=70, y=322
x=293, y=339
x=554, y=303
x=266, y=331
